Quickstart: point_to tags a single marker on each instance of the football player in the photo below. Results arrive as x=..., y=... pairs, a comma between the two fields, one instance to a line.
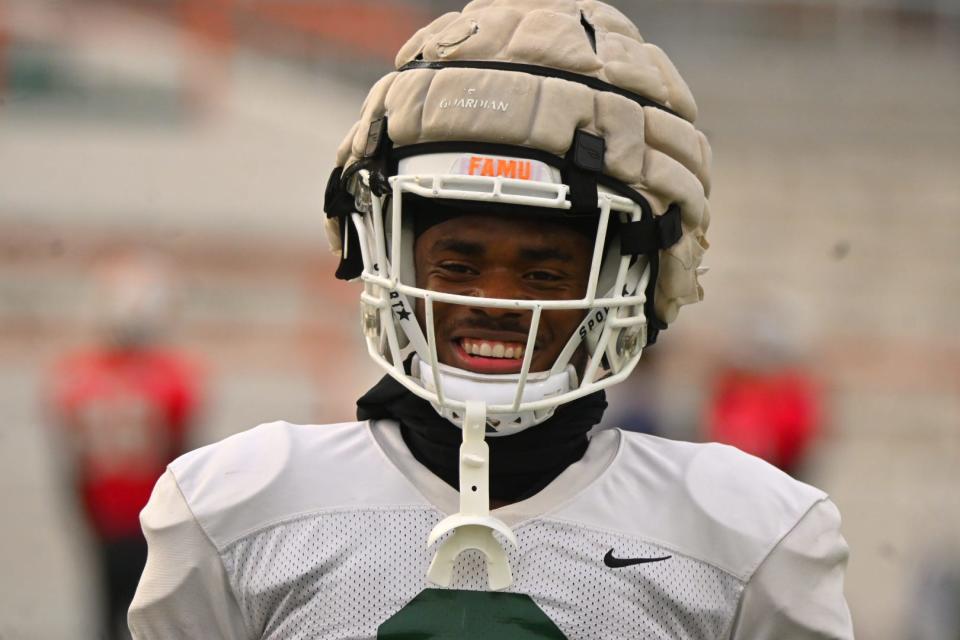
x=524, y=201
x=125, y=408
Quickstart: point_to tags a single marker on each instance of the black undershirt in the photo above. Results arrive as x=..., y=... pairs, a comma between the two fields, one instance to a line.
x=520, y=465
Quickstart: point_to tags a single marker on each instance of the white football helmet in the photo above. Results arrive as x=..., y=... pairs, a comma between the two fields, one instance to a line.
x=618, y=148
x=134, y=299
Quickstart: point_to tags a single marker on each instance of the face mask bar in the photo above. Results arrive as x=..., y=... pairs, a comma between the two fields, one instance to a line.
x=386, y=300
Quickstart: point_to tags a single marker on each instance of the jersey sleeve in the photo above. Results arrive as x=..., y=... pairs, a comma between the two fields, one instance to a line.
x=797, y=591
x=184, y=591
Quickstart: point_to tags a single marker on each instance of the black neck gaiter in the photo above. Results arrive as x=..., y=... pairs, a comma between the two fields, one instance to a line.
x=520, y=465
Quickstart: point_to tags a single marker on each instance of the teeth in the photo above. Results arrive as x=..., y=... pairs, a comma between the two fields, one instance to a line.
x=492, y=349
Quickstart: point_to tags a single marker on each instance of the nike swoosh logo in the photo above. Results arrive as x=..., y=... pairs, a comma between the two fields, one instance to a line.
x=617, y=563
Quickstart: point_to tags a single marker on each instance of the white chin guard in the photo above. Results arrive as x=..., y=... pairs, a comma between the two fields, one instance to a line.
x=461, y=385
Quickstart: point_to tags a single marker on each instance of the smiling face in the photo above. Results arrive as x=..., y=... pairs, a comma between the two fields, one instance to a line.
x=505, y=258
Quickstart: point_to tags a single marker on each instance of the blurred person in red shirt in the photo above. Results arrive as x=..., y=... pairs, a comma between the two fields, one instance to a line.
x=772, y=415
x=124, y=408
x=764, y=401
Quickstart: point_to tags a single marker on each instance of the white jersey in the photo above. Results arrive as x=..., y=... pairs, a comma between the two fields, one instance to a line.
x=288, y=532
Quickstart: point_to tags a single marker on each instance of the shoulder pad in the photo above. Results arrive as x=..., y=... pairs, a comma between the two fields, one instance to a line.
x=279, y=471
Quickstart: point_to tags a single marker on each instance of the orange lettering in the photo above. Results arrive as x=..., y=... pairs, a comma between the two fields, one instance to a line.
x=525, y=170
x=490, y=167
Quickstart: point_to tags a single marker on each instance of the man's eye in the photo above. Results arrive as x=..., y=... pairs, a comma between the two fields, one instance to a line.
x=543, y=276
x=457, y=268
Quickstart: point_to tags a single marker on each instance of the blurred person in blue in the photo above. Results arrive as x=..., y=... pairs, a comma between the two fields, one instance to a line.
x=524, y=200
x=124, y=408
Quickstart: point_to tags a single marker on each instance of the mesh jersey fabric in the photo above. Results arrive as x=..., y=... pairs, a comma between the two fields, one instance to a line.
x=354, y=569
x=315, y=532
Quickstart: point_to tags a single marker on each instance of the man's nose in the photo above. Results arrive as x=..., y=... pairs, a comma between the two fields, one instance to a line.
x=498, y=284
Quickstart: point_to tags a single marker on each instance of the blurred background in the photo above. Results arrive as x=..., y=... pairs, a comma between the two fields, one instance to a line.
x=187, y=142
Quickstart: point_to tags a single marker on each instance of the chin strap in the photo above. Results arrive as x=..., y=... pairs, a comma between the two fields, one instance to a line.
x=473, y=526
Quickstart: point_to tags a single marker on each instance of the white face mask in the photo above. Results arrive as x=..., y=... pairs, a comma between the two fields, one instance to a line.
x=613, y=331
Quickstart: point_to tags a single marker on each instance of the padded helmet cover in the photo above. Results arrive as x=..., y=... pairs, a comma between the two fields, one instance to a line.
x=655, y=150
